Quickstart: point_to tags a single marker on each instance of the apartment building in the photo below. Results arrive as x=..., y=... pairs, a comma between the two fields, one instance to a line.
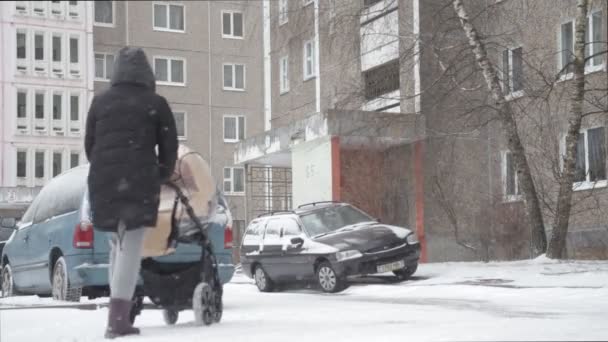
x=46, y=85
x=380, y=103
x=208, y=61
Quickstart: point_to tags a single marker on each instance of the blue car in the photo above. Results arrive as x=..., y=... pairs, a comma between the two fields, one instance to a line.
x=54, y=252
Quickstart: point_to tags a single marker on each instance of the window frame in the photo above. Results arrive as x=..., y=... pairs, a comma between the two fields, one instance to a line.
x=231, y=35
x=284, y=75
x=232, y=182
x=589, y=68
x=237, y=127
x=587, y=184
x=102, y=24
x=169, y=74
x=313, y=74
x=509, y=93
x=517, y=196
x=167, y=5
x=233, y=87
x=185, y=136
x=105, y=66
x=560, y=66
x=307, y=2
x=22, y=180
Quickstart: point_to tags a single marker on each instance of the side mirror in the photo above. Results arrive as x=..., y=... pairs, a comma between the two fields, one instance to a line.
x=9, y=223
x=297, y=241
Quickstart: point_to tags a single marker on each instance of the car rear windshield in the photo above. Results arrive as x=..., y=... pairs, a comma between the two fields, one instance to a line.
x=329, y=219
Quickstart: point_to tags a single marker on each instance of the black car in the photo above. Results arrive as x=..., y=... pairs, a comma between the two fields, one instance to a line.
x=325, y=242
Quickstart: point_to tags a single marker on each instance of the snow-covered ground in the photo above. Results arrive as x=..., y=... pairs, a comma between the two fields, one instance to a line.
x=526, y=300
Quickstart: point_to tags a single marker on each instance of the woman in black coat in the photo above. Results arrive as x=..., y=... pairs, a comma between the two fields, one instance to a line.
x=125, y=126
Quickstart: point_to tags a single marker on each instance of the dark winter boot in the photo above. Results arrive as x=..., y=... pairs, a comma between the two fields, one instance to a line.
x=119, y=321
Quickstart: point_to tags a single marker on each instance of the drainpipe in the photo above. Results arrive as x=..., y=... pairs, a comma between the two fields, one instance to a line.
x=209, y=85
x=267, y=67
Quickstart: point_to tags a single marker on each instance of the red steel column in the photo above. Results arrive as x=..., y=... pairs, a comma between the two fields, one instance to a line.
x=335, y=168
x=419, y=192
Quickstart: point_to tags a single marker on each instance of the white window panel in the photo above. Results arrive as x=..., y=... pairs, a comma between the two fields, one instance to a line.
x=169, y=17
x=512, y=72
x=104, y=13
x=234, y=181
x=39, y=8
x=234, y=77
x=22, y=50
x=74, y=9
x=283, y=11
x=23, y=111
x=39, y=167
x=57, y=164
x=58, y=113
x=40, y=60
x=590, y=169
x=104, y=65
x=41, y=111
x=74, y=159
x=595, y=42
x=309, y=60
x=22, y=169
x=58, y=55
x=22, y=7
x=170, y=70
x=510, y=179
x=57, y=9
x=234, y=128
x=566, y=47
x=75, y=109
x=284, y=74
x=180, y=124
x=74, y=48
x=232, y=24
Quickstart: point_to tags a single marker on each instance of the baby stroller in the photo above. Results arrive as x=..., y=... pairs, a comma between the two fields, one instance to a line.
x=187, y=209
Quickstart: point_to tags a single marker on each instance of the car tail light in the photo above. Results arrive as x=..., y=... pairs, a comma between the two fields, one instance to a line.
x=228, y=237
x=83, y=235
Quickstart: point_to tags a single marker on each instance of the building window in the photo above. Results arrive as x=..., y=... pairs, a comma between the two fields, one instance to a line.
x=57, y=106
x=567, y=47
x=169, y=71
x=510, y=178
x=234, y=77
x=74, y=159
x=21, y=104
x=74, y=57
x=21, y=164
x=56, y=49
x=39, y=106
x=234, y=180
x=284, y=74
x=309, y=60
x=234, y=128
x=381, y=80
x=57, y=163
x=180, y=124
x=307, y=2
x=232, y=24
x=512, y=71
x=39, y=46
x=21, y=45
x=39, y=164
x=104, y=64
x=104, y=13
x=594, y=42
x=169, y=17
x=368, y=3
x=39, y=8
x=283, y=12
x=74, y=107
x=74, y=9
x=56, y=8
x=590, y=158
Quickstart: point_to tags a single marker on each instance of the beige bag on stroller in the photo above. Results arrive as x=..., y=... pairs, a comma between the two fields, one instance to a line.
x=193, y=176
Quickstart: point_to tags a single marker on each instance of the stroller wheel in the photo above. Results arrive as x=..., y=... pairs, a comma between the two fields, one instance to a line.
x=202, y=304
x=170, y=316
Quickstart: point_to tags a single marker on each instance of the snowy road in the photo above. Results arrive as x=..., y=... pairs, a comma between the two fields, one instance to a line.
x=533, y=300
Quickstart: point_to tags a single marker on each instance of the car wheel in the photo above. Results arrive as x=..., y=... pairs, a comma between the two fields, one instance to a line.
x=8, y=285
x=61, y=283
x=262, y=280
x=329, y=280
x=406, y=273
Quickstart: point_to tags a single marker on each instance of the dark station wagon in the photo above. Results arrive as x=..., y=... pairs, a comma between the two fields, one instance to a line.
x=325, y=242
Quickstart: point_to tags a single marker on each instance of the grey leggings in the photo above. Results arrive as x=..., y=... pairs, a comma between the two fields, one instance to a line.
x=125, y=260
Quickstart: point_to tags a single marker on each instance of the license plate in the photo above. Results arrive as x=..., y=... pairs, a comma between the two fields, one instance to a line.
x=391, y=267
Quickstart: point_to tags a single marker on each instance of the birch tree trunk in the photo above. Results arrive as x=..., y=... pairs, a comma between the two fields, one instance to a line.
x=532, y=204
x=564, y=200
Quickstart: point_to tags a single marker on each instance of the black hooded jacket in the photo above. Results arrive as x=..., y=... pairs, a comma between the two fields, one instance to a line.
x=125, y=125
